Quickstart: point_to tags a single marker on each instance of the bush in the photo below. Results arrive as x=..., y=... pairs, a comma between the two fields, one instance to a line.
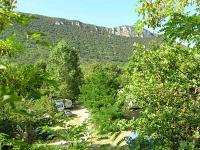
x=28, y=115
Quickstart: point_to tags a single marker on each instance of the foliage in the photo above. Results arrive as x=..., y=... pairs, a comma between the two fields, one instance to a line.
x=9, y=17
x=164, y=83
x=9, y=47
x=8, y=97
x=172, y=18
x=98, y=93
x=46, y=102
x=185, y=28
x=8, y=143
x=23, y=122
x=24, y=80
x=77, y=137
x=20, y=116
x=64, y=68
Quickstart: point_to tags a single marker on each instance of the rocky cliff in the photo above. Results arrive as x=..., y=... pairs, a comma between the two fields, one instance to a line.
x=125, y=30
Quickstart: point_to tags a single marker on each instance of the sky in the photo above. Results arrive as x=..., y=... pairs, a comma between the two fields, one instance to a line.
x=108, y=13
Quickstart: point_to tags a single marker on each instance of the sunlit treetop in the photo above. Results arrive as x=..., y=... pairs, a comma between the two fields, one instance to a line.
x=8, y=4
x=172, y=17
x=154, y=12
x=8, y=16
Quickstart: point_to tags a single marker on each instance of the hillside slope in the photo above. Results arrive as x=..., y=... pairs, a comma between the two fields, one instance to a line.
x=94, y=43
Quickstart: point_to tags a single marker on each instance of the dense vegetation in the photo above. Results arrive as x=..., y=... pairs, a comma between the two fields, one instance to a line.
x=164, y=80
x=165, y=87
x=156, y=94
x=63, y=66
x=99, y=94
x=27, y=110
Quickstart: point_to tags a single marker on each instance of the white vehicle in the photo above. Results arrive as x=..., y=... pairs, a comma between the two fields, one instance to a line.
x=67, y=103
x=60, y=105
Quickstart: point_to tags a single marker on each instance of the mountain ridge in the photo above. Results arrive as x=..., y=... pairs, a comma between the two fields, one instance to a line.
x=93, y=43
x=122, y=30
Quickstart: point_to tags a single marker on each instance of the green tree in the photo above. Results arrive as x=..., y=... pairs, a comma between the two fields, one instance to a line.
x=173, y=18
x=164, y=80
x=18, y=117
x=164, y=83
x=26, y=81
x=64, y=68
x=99, y=93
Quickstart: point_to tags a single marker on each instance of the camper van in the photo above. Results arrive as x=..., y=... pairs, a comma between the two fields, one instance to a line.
x=61, y=105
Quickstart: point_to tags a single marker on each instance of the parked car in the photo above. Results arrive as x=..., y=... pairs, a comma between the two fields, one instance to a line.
x=59, y=105
x=68, y=113
x=67, y=103
x=63, y=104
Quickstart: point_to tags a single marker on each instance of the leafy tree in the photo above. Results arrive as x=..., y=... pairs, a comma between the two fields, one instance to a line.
x=64, y=68
x=8, y=47
x=164, y=82
x=24, y=80
x=172, y=17
x=18, y=118
x=99, y=93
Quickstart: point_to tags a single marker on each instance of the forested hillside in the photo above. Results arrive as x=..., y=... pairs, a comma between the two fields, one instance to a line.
x=94, y=44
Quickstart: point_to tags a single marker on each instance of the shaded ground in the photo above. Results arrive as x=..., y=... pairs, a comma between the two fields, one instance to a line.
x=107, y=142
x=81, y=114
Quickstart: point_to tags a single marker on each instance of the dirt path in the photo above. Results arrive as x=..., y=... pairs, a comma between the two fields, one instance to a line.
x=82, y=115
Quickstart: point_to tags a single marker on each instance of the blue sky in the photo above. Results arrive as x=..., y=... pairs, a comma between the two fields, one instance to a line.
x=109, y=13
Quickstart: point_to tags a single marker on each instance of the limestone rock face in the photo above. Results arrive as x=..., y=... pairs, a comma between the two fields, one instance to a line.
x=125, y=30
x=76, y=23
x=59, y=23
